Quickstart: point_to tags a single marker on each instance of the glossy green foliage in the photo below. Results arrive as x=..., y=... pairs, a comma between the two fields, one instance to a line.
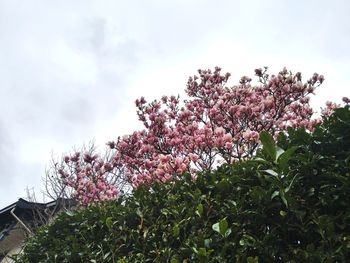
x=289, y=204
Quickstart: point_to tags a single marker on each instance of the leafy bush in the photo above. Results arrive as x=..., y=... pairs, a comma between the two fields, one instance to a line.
x=289, y=204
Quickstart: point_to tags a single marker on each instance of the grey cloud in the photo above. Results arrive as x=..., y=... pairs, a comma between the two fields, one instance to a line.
x=48, y=92
x=65, y=66
x=8, y=167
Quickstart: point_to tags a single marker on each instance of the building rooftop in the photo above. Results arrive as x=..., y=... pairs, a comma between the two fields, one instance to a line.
x=18, y=220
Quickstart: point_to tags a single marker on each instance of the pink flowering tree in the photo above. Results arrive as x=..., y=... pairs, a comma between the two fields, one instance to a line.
x=214, y=124
x=91, y=177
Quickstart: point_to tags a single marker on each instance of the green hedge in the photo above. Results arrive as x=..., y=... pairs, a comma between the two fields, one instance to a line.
x=290, y=204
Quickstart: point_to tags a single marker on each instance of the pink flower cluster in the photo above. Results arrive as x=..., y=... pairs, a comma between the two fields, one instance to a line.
x=214, y=124
x=329, y=109
x=86, y=174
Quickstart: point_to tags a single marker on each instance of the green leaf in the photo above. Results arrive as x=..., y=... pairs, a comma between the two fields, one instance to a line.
x=70, y=213
x=199, y=211
x=283, y=213
x=176, y=230
x=279, y=152
x=216, y=227
x=253, y=260
x=222, y=228
x=259, y=159
x=285, y=157
x=274, y=194
x=283, y=197
x=228, y=232
x=223, y=185
x=139, y=213
x=202, y=252
x=109, y=222
x=268, y=143
x=291, y=184
x=271, y=172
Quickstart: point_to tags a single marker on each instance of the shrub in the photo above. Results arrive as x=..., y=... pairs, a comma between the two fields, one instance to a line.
x=289, y=204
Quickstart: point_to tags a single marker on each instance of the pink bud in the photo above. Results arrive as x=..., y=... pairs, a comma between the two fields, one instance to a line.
x=228, y=145
x=346, y=100
x=66, y=159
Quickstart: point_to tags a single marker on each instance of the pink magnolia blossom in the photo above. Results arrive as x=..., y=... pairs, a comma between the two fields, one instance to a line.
x=215, y=124
x=329, y=109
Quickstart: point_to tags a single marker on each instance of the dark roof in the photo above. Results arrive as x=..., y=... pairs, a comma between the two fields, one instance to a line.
x=28, y=213
x=21, y=203
x=25, y=209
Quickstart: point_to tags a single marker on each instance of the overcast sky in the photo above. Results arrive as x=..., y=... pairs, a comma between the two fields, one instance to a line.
x=70, y=71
